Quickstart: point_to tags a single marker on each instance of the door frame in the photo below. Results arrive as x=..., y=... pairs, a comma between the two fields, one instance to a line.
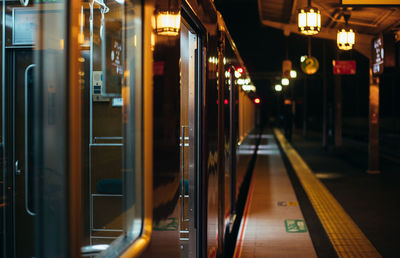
x=197, y=187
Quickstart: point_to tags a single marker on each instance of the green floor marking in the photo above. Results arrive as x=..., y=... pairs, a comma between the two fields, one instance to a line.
x=295, y=226
x=170, y=224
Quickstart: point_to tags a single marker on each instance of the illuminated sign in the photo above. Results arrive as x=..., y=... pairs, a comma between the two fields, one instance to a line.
x=344, y=67
x=378, y=55
x=370, y=2
x=309, y=65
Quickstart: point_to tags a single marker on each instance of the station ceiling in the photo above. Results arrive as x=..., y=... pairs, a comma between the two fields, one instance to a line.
x=366, y=21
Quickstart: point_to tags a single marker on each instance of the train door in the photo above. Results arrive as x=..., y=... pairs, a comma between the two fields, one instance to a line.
x=22, y=73
x=188, y=140
x=20, y=68
x=19, y=71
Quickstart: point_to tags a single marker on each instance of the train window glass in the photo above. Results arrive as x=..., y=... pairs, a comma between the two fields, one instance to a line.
x=35, y=116
x=38, y=186
x=112, y=170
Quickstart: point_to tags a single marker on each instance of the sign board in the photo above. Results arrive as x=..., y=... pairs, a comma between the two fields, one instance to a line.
x=378, y=55
x=295, y=226
x=370, y=2
x=25, y=25
x=310, y=65
x=286, y=68
x=344, y=66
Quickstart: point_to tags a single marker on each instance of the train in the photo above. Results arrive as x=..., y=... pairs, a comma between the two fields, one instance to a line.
x=122, y=122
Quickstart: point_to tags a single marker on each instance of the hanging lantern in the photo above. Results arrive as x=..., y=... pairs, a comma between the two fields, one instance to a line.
x=346, y=36
x=167, y=23
x=309, y=20
x=345, y=39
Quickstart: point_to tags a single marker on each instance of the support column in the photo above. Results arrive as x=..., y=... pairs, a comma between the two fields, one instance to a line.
x=305, y=107
x=338, y=108
x=325, y=100
x=373, y=145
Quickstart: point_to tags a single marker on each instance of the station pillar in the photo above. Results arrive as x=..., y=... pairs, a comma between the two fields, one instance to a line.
x=373, y=143
x=338, y=108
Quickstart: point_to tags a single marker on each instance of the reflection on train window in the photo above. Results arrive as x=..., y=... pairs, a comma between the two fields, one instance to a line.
x=111, y=76
x=38, y=138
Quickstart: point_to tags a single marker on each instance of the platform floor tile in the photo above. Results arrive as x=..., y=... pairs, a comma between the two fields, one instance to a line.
x=271, y=202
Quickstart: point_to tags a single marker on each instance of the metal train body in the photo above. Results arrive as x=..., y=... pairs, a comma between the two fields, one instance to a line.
x=213, y=181
x=118, y=139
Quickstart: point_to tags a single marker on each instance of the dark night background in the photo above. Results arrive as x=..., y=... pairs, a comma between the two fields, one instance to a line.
x=263, y=50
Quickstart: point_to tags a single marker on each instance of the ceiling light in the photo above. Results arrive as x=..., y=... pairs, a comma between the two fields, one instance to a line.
x=309, y=20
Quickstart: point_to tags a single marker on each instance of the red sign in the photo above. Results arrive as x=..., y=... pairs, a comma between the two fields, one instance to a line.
x=344, y=67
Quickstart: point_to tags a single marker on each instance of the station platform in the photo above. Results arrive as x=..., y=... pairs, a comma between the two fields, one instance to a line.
x=275, y=222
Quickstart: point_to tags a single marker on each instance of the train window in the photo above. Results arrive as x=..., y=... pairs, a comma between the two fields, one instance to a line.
x=112, y=174
x=44, y=176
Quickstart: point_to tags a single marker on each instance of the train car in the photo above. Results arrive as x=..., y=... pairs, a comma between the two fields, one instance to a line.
x=121, y=123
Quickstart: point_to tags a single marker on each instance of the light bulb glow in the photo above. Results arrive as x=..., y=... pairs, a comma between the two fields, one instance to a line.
x=345, y=39
x=309, y=20
x=168, y=23
x=278, y=87
x=285, y=81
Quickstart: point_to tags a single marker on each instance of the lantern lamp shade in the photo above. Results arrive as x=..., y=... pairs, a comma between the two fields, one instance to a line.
x=309, y=20
x=345, y=39
x=168, y=23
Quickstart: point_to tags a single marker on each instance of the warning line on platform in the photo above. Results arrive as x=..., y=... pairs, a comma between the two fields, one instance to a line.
x=346, y=237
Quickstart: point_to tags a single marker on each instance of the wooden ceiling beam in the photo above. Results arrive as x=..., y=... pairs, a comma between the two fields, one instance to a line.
x=363, y=41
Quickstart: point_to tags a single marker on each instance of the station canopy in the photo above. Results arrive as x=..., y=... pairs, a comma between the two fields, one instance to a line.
x=368, y=21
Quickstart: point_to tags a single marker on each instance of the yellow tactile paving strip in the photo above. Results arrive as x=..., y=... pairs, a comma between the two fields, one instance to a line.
x=344, y=234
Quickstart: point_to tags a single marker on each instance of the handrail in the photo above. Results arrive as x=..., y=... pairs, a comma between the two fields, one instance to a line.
x=100, y=2
x=30, y=212
x=183, y=172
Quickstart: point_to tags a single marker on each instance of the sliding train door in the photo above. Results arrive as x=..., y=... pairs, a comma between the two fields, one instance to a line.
x=34, y=81
x=19, y=70
x=22, y=78
x=189, y=140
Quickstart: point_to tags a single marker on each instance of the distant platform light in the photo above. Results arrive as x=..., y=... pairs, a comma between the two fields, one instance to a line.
x=168, y=23
x=345, y=39
x=248, y=88
x=303, y=58
x=257, y=100
x=285, y=81
x=278, y=87
x=293, y=74
x=237, y=74
x=243, y=81
x=309, y=20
